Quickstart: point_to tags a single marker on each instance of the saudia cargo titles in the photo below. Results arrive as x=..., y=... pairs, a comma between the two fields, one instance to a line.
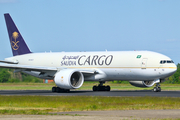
x=87, y=60
x=69, y=70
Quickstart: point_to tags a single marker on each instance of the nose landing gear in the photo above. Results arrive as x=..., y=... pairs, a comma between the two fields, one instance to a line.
x=157, y=88
x=101, y=87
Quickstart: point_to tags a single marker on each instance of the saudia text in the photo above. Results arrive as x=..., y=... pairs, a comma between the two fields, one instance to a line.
x=86, y=60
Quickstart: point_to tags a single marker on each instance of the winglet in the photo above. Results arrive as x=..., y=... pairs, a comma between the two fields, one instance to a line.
x=17, y=42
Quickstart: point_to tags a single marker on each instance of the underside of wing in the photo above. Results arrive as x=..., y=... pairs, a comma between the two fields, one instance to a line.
x=27, y=67
x=44, y=72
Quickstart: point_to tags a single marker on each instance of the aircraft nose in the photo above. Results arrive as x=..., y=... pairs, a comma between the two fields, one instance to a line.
x=174, y=69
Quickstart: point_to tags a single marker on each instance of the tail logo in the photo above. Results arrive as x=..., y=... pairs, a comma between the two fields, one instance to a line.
x=14, y=43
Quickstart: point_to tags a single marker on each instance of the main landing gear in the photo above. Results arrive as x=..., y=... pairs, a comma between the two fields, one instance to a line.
x=157, y=88
x=57, y=89
x=101, y=87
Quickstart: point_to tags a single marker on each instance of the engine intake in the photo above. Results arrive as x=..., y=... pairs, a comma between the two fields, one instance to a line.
x=69, y=79
x=76, y=79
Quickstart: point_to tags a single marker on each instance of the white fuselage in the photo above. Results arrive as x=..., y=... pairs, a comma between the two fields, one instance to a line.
x=116, y=65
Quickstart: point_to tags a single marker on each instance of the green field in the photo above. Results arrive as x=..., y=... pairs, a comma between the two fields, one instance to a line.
x=86, y=86
x=44, y=105
x=54, y=104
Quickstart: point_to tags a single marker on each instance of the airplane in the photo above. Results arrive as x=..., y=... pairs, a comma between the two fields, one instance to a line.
x=69, y=70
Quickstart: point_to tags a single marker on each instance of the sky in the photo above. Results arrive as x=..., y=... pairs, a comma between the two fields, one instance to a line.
x=94, y=25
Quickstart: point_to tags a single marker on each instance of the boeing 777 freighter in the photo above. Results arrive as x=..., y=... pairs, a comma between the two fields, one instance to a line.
x=69, y=70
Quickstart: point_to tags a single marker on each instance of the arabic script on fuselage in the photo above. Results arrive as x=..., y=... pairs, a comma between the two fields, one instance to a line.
x=86, y=60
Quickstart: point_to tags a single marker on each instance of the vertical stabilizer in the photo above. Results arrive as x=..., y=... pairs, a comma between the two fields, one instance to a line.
x=17, y=42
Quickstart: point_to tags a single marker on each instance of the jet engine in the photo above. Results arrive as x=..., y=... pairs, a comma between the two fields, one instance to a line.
x=142, y=83
x=69, y=79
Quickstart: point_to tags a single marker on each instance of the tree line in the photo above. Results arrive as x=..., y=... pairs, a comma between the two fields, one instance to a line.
x=8, y=75
x=175, y=78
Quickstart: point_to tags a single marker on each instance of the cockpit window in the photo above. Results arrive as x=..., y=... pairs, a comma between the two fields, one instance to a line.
x=166, y=61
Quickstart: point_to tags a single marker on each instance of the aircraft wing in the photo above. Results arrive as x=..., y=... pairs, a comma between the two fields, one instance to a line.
x=10, y=62
x=19, y=68
x=28, y=67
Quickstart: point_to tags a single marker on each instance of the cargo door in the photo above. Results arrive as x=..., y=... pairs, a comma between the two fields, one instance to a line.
x=144, y=63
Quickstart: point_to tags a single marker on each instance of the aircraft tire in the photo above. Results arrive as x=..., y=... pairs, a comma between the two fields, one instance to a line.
x=67, y=90
x=159, y=89
x=53, y=89
x=95, y=88
x=58, y=89
x=154, y=89
x=108, y=88
x=101, y=88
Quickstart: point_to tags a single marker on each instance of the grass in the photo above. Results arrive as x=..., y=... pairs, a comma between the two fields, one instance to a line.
x=86, y=86
x=52, y=104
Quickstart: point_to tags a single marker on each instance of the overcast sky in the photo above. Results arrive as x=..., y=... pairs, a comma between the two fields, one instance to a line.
x=94, y=25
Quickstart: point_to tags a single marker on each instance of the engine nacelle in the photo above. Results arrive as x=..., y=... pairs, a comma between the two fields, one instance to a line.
x=69, y=79
x=143, y=83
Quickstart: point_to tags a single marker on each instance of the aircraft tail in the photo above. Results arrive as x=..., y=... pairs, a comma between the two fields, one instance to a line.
x=17, y=42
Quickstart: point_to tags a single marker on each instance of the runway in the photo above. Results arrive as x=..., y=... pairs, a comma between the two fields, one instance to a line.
x=91, y=93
